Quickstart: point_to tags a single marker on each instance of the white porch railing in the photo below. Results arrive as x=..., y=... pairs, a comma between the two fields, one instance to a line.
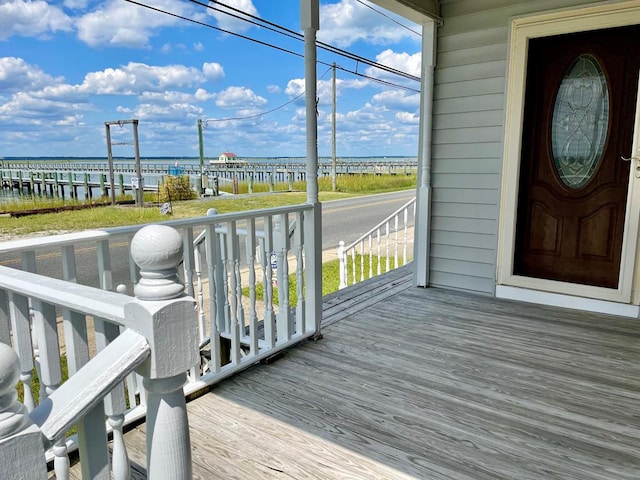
x=379, y=250
x=243, y=314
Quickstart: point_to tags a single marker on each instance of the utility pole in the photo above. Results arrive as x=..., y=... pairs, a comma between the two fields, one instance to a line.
x=334, y=174
x=200, y=145
x=139, y=181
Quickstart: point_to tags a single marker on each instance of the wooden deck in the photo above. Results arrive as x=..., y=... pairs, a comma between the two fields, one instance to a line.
x=430, y=384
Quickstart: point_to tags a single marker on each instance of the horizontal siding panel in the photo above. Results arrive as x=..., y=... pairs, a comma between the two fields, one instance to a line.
x=475, y=38
x=462, y=239
x=481, y=181
x=464, y=210
x=470, y=88
x=472, y=269
x=479, y=103
x=462, y=282
x=472, y=56
x=460, y=195
x=468, y=135
x=464, y=166
x=470, y=225
x=490, y=69
x=470, y=151
x=479, y=255
x=472, y=119
x=473, y=15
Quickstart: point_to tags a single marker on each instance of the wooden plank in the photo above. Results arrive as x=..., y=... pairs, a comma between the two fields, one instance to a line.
x=430, y=383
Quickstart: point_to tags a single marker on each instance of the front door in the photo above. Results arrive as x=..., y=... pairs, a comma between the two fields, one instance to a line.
x=578, y=122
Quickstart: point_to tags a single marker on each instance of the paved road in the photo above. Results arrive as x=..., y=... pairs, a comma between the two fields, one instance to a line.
x=341, y=220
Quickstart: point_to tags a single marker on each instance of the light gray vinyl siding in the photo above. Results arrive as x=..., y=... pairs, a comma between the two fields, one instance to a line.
x=468, y=130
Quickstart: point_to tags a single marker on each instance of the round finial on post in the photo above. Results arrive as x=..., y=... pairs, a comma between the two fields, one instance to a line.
x=13, y=415
x=157, y=250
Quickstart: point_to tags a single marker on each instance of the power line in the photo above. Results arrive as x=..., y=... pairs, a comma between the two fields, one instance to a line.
x=327, y=47
x=254, y=20
x=248, y=117
x=388, y=17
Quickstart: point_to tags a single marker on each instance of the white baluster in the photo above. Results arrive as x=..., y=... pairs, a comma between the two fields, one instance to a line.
x=213, y=272
x=387, y=236
x=370, y=256
x=250, y=245
x=299, y=241
x=232, y=266
x=378, y=248
x=21, y=326
x=267, y=281
x=21, y=447
x=342, y=259
x=397, y=243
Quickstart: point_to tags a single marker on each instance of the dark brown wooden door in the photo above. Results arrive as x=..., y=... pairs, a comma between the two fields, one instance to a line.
x=579, y=115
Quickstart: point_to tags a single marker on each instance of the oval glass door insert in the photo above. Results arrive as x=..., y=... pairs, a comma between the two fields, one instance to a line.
x=580, y=121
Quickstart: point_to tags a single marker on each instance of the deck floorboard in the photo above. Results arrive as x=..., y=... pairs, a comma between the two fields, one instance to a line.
x=430, y=384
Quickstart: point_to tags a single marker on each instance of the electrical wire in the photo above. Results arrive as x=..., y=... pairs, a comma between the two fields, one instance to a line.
x=389, y=18
x=262, y=113
x=260, y=22
x=291, y=52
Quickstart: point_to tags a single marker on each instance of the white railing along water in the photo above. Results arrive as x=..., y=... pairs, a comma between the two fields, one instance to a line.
x=243, y=312
x=383, y=248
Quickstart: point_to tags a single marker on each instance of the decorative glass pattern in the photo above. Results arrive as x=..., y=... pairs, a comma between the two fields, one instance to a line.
x=580, y=121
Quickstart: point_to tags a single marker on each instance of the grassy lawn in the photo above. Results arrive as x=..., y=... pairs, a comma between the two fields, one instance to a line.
x=113, y=216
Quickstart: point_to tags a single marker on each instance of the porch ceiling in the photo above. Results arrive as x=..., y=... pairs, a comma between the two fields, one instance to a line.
x=415, y=10
x=433, y=384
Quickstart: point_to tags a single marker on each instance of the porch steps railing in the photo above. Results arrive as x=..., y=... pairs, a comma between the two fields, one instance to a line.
x=383, y=248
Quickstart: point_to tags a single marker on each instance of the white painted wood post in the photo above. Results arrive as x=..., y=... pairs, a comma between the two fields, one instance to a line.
x=168, y=320
x=343, y=265
x=21, y=445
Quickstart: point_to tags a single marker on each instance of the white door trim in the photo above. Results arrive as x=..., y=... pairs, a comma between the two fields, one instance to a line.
x=605, y=15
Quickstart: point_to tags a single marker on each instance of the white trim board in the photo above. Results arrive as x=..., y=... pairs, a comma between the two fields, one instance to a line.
x=567, y=301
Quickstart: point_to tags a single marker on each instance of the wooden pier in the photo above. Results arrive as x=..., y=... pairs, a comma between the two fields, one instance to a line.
x=61, y=178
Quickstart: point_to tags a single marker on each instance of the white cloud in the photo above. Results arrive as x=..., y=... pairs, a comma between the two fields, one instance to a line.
x=227, y=18
x=16, y=74
x=397, y=99
x=346, y=22
x=273, y=89
x=198, y=47
x=408, y=117
x=239, y=97
x=405, y=62
x=136, y=78
x=295, y=87
x=172, y=111
x=118, y=23
x=213, y=71
x=31, y=19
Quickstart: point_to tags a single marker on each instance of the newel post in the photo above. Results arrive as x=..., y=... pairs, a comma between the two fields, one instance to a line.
x=21, y=446
x=168, y=319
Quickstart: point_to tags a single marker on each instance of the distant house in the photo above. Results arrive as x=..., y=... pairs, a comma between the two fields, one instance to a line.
x=227, y=159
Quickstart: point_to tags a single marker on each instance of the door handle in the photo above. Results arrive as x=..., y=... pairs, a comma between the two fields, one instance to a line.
x=636, y=164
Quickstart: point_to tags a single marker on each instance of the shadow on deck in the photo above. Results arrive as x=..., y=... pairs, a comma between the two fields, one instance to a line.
x=430, y=384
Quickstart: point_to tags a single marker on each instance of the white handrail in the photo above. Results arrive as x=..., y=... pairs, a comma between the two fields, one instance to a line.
x=387, y=239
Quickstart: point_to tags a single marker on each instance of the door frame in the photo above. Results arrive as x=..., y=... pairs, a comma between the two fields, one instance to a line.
x=557, y=22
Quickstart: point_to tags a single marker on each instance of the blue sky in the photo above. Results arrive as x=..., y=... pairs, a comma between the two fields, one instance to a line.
x=68, y=66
